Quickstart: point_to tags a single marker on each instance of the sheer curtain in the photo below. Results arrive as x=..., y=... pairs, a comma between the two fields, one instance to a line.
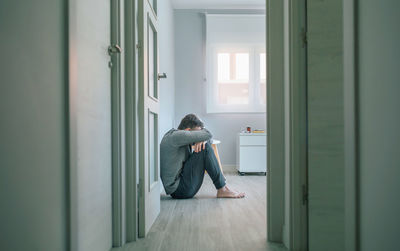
x=235, y=48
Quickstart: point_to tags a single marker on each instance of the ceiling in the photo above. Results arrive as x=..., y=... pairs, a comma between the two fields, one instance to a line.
x=218, y=4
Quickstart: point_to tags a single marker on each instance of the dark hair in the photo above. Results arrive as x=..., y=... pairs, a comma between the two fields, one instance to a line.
x=190, y=121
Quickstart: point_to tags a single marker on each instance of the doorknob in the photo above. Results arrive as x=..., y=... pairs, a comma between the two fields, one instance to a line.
x=114, y=49
x=162, y=75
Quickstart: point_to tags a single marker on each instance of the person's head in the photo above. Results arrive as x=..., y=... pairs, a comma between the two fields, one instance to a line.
x=191, y=122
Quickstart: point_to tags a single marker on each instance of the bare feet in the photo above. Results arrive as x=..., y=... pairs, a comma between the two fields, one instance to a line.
x=226, y=192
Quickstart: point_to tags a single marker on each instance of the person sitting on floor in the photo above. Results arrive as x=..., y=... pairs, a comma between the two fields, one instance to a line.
x=185, y=154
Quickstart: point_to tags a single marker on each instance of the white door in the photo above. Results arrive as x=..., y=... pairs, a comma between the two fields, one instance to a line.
x=149, y=182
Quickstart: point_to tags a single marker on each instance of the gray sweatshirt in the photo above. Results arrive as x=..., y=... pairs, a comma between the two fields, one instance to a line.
x=175, y=148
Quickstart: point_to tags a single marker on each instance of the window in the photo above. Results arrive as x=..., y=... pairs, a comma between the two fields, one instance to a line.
x=237, y=79
x=233, y=78
x=236, y=71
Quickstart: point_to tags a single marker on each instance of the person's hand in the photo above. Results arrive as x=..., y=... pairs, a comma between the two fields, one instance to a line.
x=197, y=147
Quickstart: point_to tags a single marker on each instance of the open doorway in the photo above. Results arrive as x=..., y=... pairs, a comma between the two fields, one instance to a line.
x=186, y=91
x=243, y=91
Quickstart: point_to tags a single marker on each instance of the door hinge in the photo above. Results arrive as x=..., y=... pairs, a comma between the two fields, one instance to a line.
x=139, y=190
x=304, y=38
x=138, y=46
x=305, y=194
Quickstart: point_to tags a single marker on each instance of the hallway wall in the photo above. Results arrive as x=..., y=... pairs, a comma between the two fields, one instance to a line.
x=90, y=125
x=167, y=65
x=379, y=123
x=190, y=88
x=33, y=126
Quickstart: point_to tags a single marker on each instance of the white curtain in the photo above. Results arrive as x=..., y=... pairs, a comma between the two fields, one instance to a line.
x=234, y=33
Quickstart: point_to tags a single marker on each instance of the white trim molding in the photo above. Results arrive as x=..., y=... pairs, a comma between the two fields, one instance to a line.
x=205, y=6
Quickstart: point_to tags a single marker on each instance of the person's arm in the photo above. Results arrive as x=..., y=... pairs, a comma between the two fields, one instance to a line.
x=183, y=137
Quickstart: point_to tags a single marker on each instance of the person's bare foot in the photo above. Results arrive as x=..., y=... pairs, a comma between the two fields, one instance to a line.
x=225, y=192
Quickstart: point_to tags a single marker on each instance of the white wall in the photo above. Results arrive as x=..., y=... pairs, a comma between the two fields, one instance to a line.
x=90, y=125
x=379, y=124
x=190, y=88
x=33, y=126
x=167, y=65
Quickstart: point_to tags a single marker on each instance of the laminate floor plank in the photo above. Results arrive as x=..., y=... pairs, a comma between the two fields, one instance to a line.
x=205, y=223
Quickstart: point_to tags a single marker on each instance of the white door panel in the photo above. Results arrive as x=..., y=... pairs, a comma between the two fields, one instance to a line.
x=149, y=182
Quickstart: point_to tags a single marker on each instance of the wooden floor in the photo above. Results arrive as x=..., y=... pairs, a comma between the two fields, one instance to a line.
x=207, y=223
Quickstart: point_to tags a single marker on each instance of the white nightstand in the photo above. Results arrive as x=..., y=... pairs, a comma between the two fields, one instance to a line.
x=251, y=153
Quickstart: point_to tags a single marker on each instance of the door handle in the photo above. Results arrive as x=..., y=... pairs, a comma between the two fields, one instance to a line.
x=162, y=75
x=114, y=49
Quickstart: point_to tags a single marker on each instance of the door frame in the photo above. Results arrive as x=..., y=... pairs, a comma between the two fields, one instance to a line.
x=351, y=147
x=125, y=168
x=72, y=110
x=276, y=225
x=275, y=121
x=117, y=124
x=298, y=236
x=131, y=120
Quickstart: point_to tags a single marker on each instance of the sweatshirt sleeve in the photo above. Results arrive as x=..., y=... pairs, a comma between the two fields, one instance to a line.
x=182, y=137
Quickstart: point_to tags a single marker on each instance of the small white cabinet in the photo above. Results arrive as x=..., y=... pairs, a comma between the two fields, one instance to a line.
x=251, y=152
